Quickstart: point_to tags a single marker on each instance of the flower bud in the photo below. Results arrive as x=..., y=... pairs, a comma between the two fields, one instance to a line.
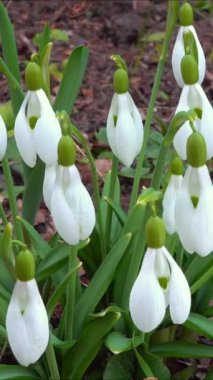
x=25, y=266
x=186, y=15
x=196, y=150
x=121, y=81
x=189, y=69
x=33, y=76
x=66, y=151
x=177, y=166
x=155, y=232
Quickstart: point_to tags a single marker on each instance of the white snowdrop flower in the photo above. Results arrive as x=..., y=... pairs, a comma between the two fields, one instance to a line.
x=170, y=195
x=187, y=31
x=37, y=130
x=71, y=205
x=160, y=283
x=26, y=320
x=194, y=202
x=193, y=97
x=124, y=123
x=3, y=138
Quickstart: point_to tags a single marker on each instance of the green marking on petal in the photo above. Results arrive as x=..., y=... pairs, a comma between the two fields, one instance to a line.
x=115, y=119
x=163, y=281
x=33, y=121
x=199, y=112
x=194, y=200
x=22, y=312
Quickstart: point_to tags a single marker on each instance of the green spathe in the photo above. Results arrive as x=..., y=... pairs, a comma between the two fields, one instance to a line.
x=33, y=76
x=155, y=232
x=186, y=15
x=177, y=166
x=121, y=81
x=66, y=151
x=25, y=266
x=196, y=150
x=189, y=69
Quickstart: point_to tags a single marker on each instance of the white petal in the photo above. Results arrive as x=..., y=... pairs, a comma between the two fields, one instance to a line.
x=137, y=123
x=24, y=135
x=27, y=323
x=206, y=127
x=169, y=202
x=33, y=106
x=179, y=52
x=62, y=214
x=177, y=55
x=81, y=205
x=47, y=134
x=179, y=292
x=110, y=128
x=3, y=138
x=125, y=133
x=147, y=302
x=48, y=185
x=185, y=131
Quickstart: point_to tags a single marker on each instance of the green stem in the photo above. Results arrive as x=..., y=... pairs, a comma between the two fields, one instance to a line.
x=70, y=304
x=52, y=363
x=12, y=197
x=171, y=20
x=97, y=199
x=113, y=180
x=93, y=169
x=2, y=215
x=159, y=167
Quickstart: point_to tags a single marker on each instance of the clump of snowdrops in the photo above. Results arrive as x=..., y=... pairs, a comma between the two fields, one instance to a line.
x=149, y=268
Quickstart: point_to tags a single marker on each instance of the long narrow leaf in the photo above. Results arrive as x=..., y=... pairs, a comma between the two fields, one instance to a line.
x=10, y=55
x=16, y=372
x=87, y=347
x=183, y=350
x=200, y=324
x=72, y=80
x=100, y=282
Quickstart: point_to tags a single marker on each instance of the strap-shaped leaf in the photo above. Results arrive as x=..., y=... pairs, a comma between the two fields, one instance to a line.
x=183, y=349
x=72, y=80
x=16, y=372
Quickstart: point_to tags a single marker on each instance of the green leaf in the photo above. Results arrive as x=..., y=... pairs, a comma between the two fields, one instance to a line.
x=120, y=367
x=45, y=67
x=40, y=246
x=200, y=324
x=149, y=195
x=88, y=346
x=117, y=342
x=59, y=35
x=33, y=192
x=3, y=334
x=209, y=376
x=199, y=271
x=42, y=39
x=10, y=56
x=100, y=282
x=121, y=215
x=183, y=349
x=186, y=374
x=143, y=365
x=54, y=261
x=13, y=372
x=61, y=289
x=156, y=365
x=101, y=135
x=62, y=344
x=72, y=80
x=155, y=37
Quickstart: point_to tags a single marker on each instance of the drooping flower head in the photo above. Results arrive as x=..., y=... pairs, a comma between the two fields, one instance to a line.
x=67, y=198
x=124, y=123
x=170, y=195
x=193, y=97
x=160, y=283
x=187, y=42
x=194, y=201
x=37, y=130
x=26, y=320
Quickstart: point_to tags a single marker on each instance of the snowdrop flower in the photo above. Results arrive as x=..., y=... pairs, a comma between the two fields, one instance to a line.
x=193, y=97
x=194, y=202
x=124, y=123
x=160, y=283
x=26, y=320
x=37, y=130
x=187, y=32
x=3, y=138
x=67, y=198
x=170, y=195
